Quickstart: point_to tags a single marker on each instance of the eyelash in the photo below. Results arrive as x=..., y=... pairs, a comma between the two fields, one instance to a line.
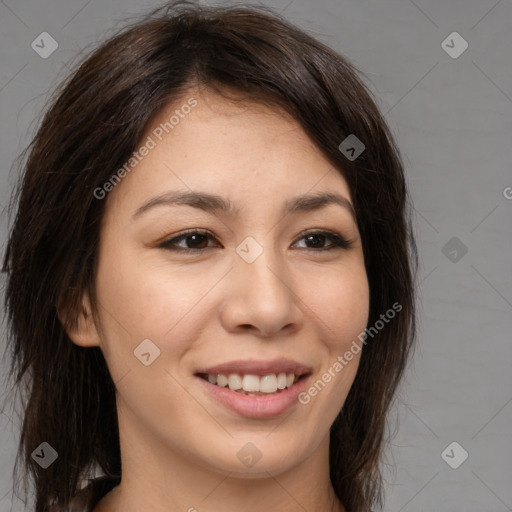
x=337, y=241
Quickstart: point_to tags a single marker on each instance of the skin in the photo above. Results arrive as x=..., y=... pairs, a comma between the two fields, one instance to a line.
x=178, y=444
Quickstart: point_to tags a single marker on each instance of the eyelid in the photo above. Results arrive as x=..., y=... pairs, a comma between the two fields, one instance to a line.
x=338, y=241
x=166, y=243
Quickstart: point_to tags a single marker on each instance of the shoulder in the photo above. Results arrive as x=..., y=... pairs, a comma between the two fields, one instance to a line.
x=87, y=498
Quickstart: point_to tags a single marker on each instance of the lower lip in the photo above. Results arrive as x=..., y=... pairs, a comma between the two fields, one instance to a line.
x=257, y=406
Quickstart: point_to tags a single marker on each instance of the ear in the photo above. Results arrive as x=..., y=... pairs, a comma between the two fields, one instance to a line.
x=80, y=328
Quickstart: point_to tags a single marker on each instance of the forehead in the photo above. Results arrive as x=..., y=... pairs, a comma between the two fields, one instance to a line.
x=242, y=148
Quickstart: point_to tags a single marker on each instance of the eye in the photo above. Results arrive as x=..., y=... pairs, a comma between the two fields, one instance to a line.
x=197, y=240
x=315, y=240
x=191, y=241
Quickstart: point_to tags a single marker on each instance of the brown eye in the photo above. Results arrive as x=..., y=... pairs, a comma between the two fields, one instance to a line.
x=316, y=240
x=189, y=241
x=196, y=241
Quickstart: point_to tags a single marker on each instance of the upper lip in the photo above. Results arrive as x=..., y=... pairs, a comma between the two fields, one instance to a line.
x=260, y=367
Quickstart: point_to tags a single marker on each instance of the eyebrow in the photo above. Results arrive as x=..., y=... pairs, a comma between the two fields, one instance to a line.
x=212, y=203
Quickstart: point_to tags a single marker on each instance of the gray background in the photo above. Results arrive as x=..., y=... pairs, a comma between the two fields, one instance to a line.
x=452, y=118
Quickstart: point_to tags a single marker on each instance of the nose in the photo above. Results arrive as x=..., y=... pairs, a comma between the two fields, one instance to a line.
x=261, y=298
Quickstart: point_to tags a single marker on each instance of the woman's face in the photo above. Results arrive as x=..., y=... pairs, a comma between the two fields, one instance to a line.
x=260, y=291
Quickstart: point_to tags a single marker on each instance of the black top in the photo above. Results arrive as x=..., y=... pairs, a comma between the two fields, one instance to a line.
x=86, y=499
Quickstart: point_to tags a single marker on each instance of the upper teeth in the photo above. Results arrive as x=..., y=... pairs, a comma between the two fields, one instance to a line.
x=253, y=383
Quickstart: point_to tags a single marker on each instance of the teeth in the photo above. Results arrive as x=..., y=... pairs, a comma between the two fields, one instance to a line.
x=222, y=380
x=268, y=383
x=253, y=384
x=250, y=383
x=234, y=381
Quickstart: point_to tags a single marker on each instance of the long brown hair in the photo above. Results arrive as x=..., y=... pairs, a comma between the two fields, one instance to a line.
x=94, y=123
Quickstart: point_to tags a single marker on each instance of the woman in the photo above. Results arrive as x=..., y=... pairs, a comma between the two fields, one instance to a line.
x=210, y=274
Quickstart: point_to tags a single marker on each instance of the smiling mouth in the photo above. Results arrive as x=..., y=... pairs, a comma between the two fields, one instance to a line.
x=253, y=385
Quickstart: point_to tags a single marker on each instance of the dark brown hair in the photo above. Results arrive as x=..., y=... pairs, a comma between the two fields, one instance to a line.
x=92, y=126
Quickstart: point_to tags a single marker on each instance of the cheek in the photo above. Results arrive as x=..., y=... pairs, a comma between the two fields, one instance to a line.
x=340, y=307
x=340, y=304
x=140, y=299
